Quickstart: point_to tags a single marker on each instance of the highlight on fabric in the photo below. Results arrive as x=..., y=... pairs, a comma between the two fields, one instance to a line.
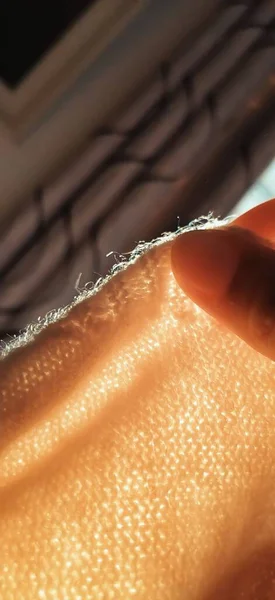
x=137, y=448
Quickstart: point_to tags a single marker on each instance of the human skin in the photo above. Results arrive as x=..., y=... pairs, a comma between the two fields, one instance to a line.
x=229, y=272
x=137, y=438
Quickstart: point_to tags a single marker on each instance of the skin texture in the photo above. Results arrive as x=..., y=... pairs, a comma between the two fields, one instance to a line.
x=137, y=446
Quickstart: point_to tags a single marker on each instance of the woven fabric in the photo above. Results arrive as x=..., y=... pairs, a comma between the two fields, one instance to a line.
x=137, y=451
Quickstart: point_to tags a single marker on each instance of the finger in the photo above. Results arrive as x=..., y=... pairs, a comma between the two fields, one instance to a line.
x=230, y=273
x=259, y=220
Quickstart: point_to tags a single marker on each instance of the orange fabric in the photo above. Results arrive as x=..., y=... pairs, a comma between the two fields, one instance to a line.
x=137, y=452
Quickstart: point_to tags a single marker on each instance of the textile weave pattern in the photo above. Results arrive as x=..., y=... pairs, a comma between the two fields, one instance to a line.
x=137, y=450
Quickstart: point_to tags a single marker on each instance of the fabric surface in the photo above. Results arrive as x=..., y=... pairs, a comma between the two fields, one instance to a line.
x=137, y=451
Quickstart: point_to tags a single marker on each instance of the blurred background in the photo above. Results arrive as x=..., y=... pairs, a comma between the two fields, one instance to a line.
x=121, y=119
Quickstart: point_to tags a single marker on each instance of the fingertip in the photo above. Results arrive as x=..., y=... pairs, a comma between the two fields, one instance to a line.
x=259, y=220
x=228, y=273
x=205, y=261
